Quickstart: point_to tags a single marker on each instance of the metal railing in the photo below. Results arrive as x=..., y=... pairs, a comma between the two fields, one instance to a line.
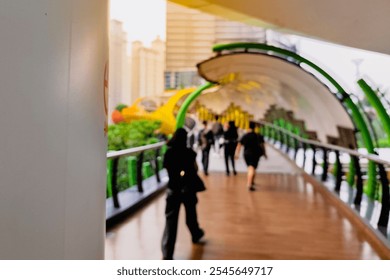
x=139, y=151
x=288, y=140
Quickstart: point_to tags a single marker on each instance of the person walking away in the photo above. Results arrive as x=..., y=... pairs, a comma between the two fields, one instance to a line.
x=206, y=140
x=217, y=130
x=230, y=135
x=184, y=183
x=191, y=139
x=253, y=149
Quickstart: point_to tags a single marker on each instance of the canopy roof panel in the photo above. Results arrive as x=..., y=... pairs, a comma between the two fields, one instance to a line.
x=359, y=23
x=256, y=81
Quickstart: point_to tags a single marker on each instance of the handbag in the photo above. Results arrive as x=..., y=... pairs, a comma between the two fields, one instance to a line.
x=199, y=185
x=191, y=183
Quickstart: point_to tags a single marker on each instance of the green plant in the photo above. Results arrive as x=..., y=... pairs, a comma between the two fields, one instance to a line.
x=120, y=107
x=383, y=143
x=129, y=135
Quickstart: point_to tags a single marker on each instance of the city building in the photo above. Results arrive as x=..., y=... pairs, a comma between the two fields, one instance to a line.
x=119, y=68
x=190, y=37
x=147, y=69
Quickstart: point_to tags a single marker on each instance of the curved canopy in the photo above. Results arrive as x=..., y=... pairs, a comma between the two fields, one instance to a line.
x=359, y=23
x=256, y=81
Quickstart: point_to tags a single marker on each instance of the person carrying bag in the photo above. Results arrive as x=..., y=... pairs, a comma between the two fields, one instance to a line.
x=184, y=183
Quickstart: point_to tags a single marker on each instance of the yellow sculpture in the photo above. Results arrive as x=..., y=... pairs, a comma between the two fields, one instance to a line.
x=165, y=113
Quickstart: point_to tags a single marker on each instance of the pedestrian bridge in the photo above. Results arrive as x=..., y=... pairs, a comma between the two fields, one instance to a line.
x=53, y=151
x=291, y=215
x=312, y=126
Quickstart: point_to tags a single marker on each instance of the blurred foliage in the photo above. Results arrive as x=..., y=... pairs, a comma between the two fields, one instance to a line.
x=383, y=143
x=122, y=179
x=128, y=135
x=120, y=107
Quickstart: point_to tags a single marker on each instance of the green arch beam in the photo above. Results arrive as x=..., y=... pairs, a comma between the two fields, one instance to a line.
x=181, y=115
x=377, y=105
x=355, y=113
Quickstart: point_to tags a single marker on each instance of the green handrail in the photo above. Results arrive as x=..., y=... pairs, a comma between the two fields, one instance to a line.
x=356, y=115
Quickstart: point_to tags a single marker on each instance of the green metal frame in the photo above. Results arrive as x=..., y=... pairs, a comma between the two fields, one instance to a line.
x=375, y=102
x=355, y=113
x=181, y=115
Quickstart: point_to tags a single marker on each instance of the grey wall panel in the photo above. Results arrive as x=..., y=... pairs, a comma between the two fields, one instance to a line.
x=52, y=144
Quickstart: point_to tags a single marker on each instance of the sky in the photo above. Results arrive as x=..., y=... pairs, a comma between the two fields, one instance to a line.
x=339, y=60
x=143, y=20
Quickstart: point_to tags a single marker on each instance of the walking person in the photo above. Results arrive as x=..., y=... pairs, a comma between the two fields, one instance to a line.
x=183, y=185
x=191, y=139
x=217, y=130
x=230, y=136
x=253, y=149
x=206, y=140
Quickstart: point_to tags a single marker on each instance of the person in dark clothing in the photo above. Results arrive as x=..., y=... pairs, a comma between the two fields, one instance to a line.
x=217, y=130
x=191, y=139
x=180, y=163
x=206, y=140
x=253, y=149
x=230, y=136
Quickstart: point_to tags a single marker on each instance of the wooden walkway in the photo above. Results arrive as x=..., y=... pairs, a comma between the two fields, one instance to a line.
x=285, y=218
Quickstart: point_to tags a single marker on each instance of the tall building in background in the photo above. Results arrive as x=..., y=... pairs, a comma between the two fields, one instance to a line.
x=158, y=46
x=190, y=37
x=231, y=31
x=119, y=67
x=148, y=66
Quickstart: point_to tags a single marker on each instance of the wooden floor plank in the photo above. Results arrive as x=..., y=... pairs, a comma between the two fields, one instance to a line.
x=285, y=218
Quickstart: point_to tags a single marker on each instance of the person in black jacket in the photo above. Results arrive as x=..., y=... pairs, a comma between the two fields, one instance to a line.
x=230, y=136
x=206, y=140
x=217, y=130
x=180, y=163
x=253, y=149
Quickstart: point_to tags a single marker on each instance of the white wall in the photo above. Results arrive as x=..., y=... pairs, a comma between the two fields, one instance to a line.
x=52, y=144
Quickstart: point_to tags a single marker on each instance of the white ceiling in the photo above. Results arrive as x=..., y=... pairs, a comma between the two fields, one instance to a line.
x=258, y=81
x=356, y=23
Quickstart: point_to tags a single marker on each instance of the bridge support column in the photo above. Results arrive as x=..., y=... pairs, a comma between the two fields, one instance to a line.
x=304, y=155
x=325, y=166
x=314, y=161
x=339, y=172
x=359, y=181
